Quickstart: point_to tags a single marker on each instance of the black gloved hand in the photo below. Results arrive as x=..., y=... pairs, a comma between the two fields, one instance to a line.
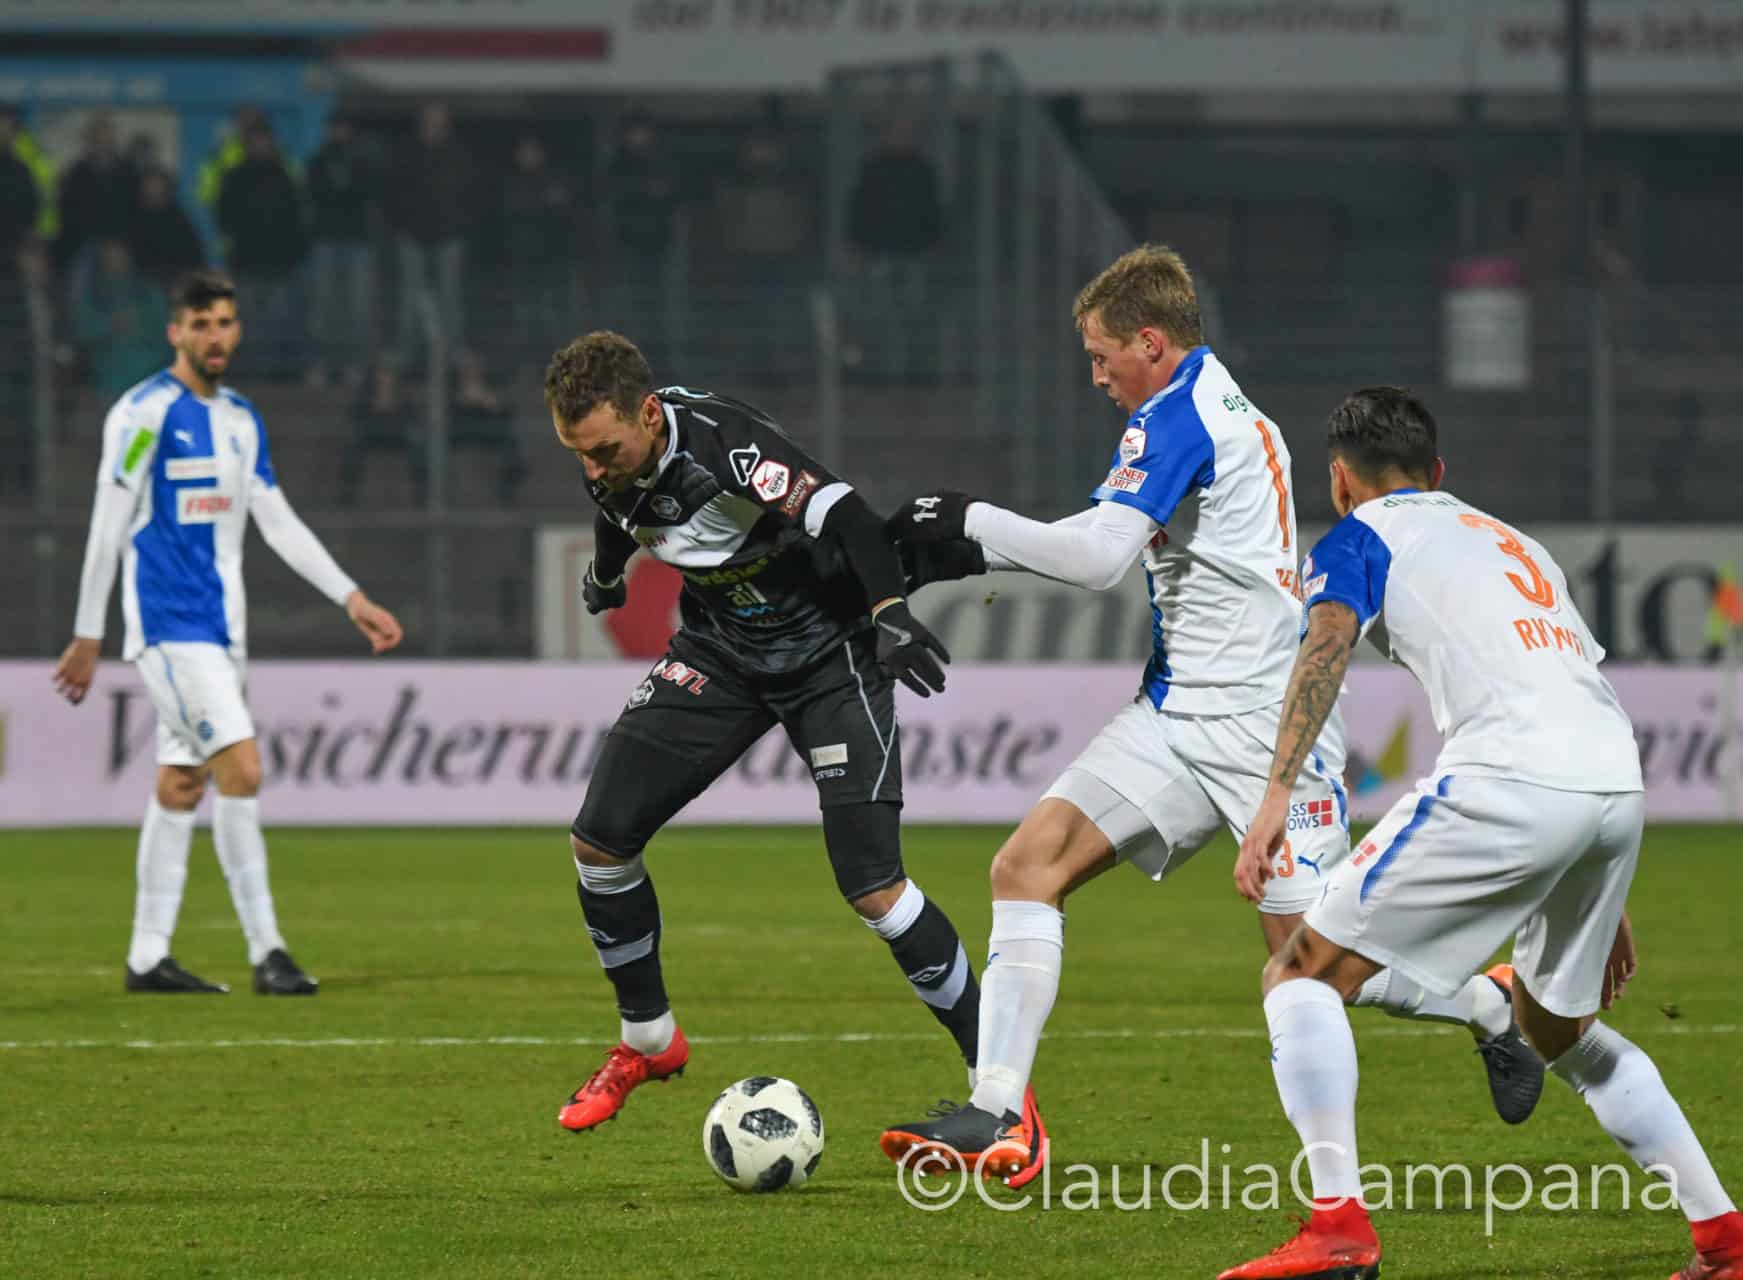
x=931, y=517
x=909, y=651
x=924, y=562
x=599, y=596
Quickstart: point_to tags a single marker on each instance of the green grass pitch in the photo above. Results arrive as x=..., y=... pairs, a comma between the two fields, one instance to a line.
x=403, y=1123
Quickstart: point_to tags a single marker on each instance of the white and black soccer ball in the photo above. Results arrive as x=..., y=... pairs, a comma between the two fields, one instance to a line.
x=763, y=1134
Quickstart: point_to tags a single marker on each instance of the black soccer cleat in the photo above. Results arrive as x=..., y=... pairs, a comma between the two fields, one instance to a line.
x=963, y=1137
x=278, y=975
x=1515, y=1068
x=166, y=977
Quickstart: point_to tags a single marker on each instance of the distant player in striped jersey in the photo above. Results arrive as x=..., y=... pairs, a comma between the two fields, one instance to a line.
x=1198, y=489
x=1527, y=830
x=185, y=463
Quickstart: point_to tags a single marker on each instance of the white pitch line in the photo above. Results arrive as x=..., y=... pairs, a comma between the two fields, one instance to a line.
x=850, y=1037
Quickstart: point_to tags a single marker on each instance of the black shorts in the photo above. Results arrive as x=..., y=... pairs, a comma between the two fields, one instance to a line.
x=694, y=716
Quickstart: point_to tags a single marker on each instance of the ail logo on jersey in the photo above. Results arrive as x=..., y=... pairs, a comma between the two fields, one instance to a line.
x=802, y=488
x=1309, y=815
x=202, y=506
x=1132, y=445
x=743, y=462
x=191, y=468
x=1127, y=479
x=770, y=480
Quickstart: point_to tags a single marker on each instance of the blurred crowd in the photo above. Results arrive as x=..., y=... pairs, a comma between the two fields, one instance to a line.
x=397, y=233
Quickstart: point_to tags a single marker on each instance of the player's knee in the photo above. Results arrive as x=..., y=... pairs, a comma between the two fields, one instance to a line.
x=180, y=789
x=1022, y=870
x=879, y=902
x=589, y=855
x=1550, y=1034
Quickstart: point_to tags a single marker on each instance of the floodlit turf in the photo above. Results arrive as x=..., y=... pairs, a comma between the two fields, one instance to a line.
x=336, y=1137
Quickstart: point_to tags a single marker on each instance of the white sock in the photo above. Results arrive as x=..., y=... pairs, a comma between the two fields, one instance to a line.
x=242, y=854
x=1024, y=954
x=650, y=1037
x=165, y=837
x=1627, y=1095
x=1479, y=1004
x=1313, y=1057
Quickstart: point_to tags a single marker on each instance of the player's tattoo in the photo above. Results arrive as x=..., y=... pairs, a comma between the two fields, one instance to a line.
x=1332, y=632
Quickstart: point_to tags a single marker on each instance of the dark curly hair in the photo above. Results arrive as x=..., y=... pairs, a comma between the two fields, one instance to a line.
x=597, y=368
x=1382, y=429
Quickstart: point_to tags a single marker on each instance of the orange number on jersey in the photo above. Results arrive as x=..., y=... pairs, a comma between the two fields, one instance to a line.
x=1286, y=862
x=1540, y=591
x=1277, y=481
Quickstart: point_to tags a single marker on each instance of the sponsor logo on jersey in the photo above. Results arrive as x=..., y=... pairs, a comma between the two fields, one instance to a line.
x=137, y=448
x=836, y=753
x=666, y=507
x=678, y=673
x=821, y=775
x=1364, y=851
x=1132, y=445
x=727, y=576
x=186, y=437
x=743, y=462
x=202, y=506
x=1309, y=815
x=1314, y=585
x=802, y=488
x=1127, y=479
x=770, y=480
x=191, y=468
x=644, y=693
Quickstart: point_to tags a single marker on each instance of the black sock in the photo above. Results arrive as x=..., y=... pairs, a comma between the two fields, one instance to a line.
x=936, y=966
x=625, y=928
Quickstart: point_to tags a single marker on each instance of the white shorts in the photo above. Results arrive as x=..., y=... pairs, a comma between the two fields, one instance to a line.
x=197, y=690
x=1159, y=786
x=1469, y=861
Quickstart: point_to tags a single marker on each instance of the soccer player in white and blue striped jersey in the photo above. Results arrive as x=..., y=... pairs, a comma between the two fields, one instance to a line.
x=1528, y=830
x=185, y=463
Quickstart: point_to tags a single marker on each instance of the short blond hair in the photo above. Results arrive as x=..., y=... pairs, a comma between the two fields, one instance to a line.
x=1148, y=288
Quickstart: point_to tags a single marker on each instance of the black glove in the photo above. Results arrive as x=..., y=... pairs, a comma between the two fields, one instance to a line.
x=924, y=562
x=932, y=517
x=599, y=596
x=908, y=651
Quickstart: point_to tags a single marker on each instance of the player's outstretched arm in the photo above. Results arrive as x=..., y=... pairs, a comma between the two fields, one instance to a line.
x=1332, y=633
x=1092, y=549
x=110, y=514
x=906, y=647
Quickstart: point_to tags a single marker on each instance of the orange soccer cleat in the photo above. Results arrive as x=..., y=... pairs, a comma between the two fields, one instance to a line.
x=965, y=1137
x=603, y=1095
x=1335, y=1245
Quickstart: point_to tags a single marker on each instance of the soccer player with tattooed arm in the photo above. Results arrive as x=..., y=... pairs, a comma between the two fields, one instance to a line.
x=792, y=614
x=1511, y=838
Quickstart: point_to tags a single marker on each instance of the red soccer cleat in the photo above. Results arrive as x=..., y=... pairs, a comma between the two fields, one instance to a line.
x=603, y=1095
x=1339, y=1245
x=1718, y=1249
x=1037, y=1143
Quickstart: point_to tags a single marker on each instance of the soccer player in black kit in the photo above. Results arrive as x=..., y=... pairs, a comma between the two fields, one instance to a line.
x=792, y=614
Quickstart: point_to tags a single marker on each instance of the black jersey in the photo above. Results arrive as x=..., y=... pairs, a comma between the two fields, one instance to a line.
x=737, y=507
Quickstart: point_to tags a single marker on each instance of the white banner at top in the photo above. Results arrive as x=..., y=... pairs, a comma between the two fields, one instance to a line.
x=1250, y=46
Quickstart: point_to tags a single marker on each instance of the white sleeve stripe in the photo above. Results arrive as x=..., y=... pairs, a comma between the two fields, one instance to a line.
x=822, y=502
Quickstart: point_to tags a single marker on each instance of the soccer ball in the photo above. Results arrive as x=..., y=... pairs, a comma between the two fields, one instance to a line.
x=763, y=1134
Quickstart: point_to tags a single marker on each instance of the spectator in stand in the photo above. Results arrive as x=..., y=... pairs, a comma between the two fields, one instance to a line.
x=538, y=226
x=20, y=199
x=765, y=226
x=230, y=152
x=18, y=142
x=345, y=204
x=429, y=205
x=162, y=239
x=260, y=212
x=118, y=319
x=896, y=223
x=99, y=195
x=641, y=209
x=23, y=268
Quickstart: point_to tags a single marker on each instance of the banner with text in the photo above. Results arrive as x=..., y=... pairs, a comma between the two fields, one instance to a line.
x=479, y=743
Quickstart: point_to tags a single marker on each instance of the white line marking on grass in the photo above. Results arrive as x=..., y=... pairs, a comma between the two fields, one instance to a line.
x=794, y=1037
